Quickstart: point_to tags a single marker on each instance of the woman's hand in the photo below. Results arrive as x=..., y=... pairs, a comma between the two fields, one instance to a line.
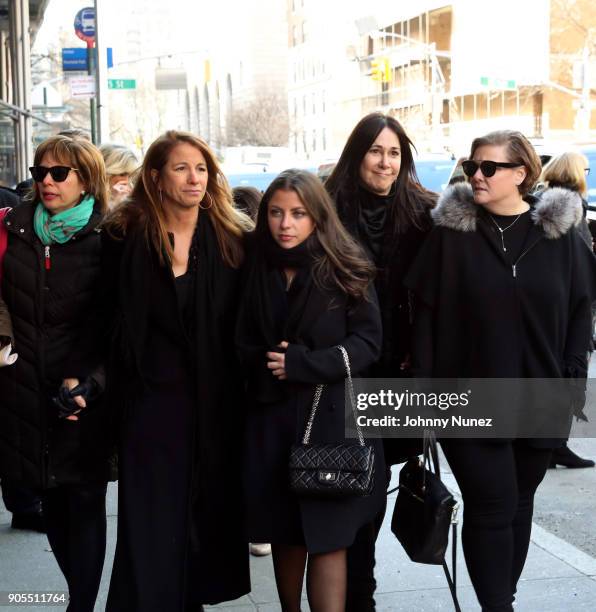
x=277, y=362
x=71, y=383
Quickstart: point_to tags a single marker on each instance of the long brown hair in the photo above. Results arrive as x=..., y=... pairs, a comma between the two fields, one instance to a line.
x=84, y=157
x=411, y=202
x=144, y=207
x=343, y=263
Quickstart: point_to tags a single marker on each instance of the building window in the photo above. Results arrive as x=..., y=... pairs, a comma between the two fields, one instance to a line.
x=324, y=138
x=294, y=35
x=304, y=31
x=323, y=105
x=314, y=104
x=295, y=108
x=314, y=140
x=304, y=105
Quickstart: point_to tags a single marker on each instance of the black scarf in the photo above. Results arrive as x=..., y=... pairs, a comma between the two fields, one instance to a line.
x=271, y=313
x=373, y=222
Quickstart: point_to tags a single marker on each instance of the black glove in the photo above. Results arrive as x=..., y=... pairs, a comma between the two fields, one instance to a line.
x=88, y=389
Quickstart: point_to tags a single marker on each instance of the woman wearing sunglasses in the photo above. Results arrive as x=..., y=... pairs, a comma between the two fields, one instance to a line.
x=52, y=439
x=505, y=285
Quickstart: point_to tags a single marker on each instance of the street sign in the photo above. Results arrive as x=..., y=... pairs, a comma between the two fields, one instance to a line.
x=493, y=83
x=122, y=84
x=75, y=58
x=84, y=24
x=82, y=87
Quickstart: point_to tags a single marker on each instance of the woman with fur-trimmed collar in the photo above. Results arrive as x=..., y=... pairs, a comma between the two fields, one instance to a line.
x=504, y=286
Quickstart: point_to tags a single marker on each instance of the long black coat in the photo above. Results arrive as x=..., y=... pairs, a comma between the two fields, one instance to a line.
x=327, y=320
x=55, y=328
x=180, y=405
x=478, y=318
x=395, y=302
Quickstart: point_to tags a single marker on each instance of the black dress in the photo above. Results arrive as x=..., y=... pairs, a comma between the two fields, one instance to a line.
x=156, y=459
x=180, y=541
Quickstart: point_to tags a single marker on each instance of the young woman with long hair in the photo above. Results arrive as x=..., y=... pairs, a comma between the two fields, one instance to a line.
x=308, y=289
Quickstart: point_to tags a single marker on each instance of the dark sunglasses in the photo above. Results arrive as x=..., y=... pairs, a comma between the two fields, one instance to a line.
x=58, y=173
x=488, y=168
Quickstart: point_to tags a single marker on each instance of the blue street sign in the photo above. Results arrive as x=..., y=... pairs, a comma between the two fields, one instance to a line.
x=75, y=58
x=84, y=24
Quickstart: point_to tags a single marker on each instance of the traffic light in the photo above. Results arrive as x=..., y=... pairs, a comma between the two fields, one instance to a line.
x=380, y=69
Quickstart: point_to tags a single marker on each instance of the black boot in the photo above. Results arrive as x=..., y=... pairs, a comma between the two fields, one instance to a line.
x=32, y=521
x=567, y=458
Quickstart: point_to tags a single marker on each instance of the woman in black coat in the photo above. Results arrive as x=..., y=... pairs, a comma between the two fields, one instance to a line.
x=171, y=276
x=52, y=440
x=383, y=205
x=308, y=289
x=504, y=287
x=567, y=172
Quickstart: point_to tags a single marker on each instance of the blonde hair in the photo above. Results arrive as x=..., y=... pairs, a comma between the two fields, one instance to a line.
x=567, y=170
x=144, y=206
x=84, y=157
x=118, y=159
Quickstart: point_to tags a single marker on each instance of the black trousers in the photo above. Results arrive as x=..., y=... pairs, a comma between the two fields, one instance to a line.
x=361, y=584
x=498, y=481
x=75, y=517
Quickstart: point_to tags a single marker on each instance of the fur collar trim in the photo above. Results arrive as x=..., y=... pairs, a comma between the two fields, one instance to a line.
x=556, y=211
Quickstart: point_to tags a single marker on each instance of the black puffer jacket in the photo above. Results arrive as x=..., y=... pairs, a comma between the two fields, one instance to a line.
x=54, y=305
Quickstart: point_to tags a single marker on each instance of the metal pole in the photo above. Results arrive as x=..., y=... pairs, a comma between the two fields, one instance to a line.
x=27, y=87
x=584, y=110
x=101, y=73
x=91, y=71
x=19, y=34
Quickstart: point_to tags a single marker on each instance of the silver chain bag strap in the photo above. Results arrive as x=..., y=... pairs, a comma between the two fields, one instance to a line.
x=332, y=470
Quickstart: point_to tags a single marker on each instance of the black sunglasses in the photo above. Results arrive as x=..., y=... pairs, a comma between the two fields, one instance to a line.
x=488, y=168
x=58, y=173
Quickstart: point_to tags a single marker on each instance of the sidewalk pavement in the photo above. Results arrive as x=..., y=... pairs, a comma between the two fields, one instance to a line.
x=558, y=577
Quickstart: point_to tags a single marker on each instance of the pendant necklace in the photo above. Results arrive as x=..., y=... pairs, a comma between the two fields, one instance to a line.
x=504, y=229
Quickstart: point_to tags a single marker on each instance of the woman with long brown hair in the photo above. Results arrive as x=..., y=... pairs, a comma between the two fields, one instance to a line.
x=383, y=205
x=308, y=289
x=173, y=253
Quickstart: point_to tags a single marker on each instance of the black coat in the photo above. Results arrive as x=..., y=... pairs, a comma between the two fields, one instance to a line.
x=274, y=513
x=179, y=400
x=479, y=319
x=393, y=263
x=55, y=327
x=396, y=257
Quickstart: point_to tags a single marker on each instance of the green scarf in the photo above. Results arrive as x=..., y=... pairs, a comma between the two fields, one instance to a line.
x=61, y=227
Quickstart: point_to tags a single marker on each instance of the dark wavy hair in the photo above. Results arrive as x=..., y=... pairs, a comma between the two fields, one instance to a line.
x=342, y=264
x=412, y=201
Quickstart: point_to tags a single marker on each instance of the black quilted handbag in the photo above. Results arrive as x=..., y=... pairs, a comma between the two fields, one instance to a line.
x=332, y=470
